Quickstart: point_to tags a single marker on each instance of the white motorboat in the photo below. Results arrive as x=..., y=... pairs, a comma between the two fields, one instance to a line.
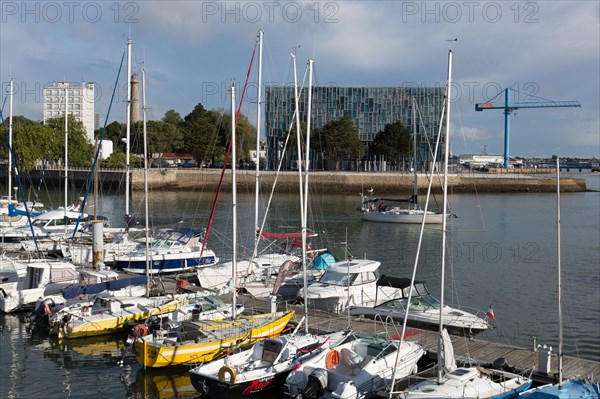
x=43, y=278
x=347, y=283
x=357, y=368
x=424, y=311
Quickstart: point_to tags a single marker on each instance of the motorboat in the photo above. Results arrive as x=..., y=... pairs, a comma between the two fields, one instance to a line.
x=173, y=251
x=42, y=278
x=347, y=283
x=357, y=368
x=262, y=368
x=424, y=311
x=194, y=342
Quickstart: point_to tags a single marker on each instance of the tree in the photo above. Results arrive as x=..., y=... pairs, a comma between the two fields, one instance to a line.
x=200, y=134
x=79, y=149
x=172, y=117
x=393, y=141
x=338, y=139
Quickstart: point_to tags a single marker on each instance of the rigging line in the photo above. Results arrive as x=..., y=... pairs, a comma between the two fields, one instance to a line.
x=90, y=180
x=12, y=155
x=214, y=206
x=44, y=165
x=462, y=130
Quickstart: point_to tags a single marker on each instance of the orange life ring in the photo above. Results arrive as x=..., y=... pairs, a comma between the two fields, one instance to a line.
x=227, y=370
x=332, y=358
x=140, y=331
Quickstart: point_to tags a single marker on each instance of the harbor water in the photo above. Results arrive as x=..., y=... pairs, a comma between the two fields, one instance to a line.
x=501, y=252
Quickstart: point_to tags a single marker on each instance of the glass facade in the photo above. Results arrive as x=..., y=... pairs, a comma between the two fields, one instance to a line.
x=371, y=108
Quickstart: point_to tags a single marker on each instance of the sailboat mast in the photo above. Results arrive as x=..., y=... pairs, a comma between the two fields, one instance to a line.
x=415, y=183
x=233, y=205
x=128, y=128
x=10, y=135
x=66, y=203
x=258, y=110
x=444, y=213
x=146, y=183
x=560, y=320
x=298, y=140
x=305, y=205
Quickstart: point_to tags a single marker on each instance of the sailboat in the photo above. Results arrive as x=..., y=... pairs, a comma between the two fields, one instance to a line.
x=408, y=210
x=461, y=382
x=266, y=365
x=572, y=388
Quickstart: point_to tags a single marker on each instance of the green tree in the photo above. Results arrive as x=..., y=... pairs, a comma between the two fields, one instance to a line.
x=200, y=134
x=337, y=140
x=79, y=149
x=393, y=141
x=172, y=117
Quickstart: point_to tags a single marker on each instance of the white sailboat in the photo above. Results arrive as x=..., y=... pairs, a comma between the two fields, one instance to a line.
x=461, y=382
x=575, y=387
x=409, y=210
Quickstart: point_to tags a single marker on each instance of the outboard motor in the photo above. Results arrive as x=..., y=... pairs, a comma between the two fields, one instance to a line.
x=316, y=385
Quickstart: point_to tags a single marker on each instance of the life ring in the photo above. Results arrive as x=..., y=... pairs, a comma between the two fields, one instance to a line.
x=332, y=358
x=139, y=331
x=227, y=370
x=47, y=309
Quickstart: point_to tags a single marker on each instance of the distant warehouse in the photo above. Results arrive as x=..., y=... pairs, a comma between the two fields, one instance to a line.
x=371, y=108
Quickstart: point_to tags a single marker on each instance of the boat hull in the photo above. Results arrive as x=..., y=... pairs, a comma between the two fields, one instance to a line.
x=214, y=388
x=166, y=264
x=408, y=218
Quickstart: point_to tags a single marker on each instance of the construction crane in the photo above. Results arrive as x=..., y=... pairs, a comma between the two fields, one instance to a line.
x=509, y=107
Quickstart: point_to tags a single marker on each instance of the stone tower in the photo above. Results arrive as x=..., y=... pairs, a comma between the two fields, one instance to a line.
x=135, y=99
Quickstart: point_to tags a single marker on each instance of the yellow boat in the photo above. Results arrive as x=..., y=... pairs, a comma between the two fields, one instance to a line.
x=195, y=342
x=107, y=315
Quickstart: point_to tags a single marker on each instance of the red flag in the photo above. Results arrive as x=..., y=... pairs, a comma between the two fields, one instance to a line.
x=490, y=313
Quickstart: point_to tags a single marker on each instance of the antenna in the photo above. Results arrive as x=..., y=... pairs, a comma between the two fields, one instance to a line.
x=452, y=40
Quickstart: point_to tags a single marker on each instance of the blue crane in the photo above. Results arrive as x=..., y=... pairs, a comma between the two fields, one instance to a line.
x=509, y=107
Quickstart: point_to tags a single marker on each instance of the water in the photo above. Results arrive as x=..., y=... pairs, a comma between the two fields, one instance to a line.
x=502, y=251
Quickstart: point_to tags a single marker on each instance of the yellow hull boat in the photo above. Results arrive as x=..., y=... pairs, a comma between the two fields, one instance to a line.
x=197, y=342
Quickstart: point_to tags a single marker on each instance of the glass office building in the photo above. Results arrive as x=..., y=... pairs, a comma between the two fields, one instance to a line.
x=371, y=108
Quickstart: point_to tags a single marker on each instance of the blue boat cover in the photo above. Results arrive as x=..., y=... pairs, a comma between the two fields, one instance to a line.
x=323, y=260
x=73, y=292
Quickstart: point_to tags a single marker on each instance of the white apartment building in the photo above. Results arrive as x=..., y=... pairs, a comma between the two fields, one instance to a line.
x=80, y=103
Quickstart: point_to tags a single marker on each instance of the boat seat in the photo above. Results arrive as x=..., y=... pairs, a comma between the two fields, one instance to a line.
x=351, y=359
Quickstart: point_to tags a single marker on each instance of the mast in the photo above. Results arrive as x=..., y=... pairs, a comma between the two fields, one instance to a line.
x=66, y=149
x=298, y=140
x=305, y=204
x=128, y=128
x=258, y=110
x=146, y=183
x=234, y=205
x=415, y=183
x=444, y=213
x=560, y=321
x=10, y=135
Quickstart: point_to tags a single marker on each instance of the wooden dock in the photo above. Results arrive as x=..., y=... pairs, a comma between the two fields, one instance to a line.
x=465, y=349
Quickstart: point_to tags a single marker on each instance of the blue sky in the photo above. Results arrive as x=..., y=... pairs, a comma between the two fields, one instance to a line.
x=193, y=50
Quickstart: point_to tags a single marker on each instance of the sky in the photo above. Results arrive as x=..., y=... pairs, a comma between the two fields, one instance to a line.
x=193, y=51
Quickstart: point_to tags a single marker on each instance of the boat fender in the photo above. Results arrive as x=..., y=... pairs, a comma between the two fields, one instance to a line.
x=47, y=309
x=227, y=370
x=139, y=331
x=85, y=309
x=332, y=359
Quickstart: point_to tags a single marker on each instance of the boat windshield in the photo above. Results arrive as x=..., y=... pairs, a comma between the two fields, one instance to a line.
x=420, y=304
x=336, y=278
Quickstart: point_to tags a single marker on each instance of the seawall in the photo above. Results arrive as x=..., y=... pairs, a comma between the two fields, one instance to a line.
x=354, y=182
